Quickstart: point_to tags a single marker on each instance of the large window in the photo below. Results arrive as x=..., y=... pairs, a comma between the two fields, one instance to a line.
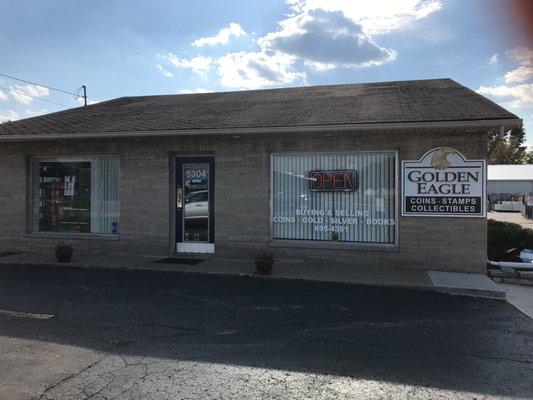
x=345, y=197
x=76, y=195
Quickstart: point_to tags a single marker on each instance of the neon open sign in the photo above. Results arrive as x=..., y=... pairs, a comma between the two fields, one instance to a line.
x=333, y=181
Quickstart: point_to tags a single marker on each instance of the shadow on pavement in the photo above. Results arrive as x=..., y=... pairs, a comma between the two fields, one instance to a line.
x=403, y=336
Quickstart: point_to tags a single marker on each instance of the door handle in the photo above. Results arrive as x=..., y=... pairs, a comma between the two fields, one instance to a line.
x=179, y=197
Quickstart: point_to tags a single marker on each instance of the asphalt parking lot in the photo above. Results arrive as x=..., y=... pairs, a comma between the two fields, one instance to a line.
x=74, y=333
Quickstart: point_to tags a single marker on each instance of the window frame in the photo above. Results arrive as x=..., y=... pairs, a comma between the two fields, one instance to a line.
x=309, y=243
x=33, y=165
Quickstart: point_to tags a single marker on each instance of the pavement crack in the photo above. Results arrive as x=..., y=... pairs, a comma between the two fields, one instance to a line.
x=71, y=376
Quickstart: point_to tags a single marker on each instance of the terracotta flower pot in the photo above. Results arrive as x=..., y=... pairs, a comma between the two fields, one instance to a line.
x=264, y=267
x=64, y=254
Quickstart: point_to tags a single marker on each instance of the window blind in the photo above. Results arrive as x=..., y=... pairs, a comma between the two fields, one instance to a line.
x=366, y=214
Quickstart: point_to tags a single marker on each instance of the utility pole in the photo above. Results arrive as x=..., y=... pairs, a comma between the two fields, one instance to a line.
x=84, y=95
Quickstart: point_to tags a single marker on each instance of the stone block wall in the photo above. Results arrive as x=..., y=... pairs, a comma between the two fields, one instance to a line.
x=242, y=198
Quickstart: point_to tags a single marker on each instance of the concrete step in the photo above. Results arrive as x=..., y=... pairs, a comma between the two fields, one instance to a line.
x=475, y=285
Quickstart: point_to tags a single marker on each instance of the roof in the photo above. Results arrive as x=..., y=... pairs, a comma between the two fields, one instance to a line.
x=350, y=104
x=520, y=172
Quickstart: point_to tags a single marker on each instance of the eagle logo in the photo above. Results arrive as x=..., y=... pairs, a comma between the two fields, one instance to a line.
x=440, y=160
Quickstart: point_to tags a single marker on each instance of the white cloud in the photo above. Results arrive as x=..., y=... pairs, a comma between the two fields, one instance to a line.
x=325, y=40
x=524, y=72
x=513, y=96
x=22, y=93
x=197, y=90
x=9, y=115
x=253, y=70
x=222, y=37
x=519, y=95
x=166, y=73
x=199, y=64
x=376, y=17
x=34, y=113
x=520, y=74
x=81, y=101
x=341, y=33
x=523, y=55
x=322, y=34
x=3, y=96
x=493, y=59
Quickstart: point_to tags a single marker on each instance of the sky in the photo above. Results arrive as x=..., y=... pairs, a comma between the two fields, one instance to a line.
x=127, y=48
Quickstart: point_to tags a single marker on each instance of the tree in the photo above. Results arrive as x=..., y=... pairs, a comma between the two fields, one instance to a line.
x=529, y=158
x=511, y=149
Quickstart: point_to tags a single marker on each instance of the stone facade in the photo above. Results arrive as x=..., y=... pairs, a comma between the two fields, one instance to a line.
x=242, y=200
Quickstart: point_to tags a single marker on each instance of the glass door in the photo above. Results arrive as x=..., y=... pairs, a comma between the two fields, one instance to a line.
x=194, y=204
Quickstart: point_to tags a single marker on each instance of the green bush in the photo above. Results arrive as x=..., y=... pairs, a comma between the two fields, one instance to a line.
x=506, y=240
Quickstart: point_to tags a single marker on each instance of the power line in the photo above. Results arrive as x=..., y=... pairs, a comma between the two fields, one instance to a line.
x=38, y=84
x=76, y=95
x=33, y=97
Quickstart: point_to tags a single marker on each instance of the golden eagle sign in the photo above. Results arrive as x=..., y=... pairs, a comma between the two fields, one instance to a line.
x=443, y=183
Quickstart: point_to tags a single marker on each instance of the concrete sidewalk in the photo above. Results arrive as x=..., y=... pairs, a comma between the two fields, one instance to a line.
x=215, y=265
x=514, y=217
x=454, y=283
x=520, y=296
x=458, y=283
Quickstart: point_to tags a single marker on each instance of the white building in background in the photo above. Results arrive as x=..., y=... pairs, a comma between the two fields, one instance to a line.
x=510, y=186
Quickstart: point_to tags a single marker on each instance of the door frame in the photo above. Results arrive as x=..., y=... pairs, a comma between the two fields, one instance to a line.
x=191, y=247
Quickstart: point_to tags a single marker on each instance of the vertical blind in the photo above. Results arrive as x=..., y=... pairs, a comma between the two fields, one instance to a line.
x=366, y=214
x=105, y=204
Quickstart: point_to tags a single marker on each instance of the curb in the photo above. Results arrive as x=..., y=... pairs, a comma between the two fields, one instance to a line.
x=251, y=274
x=487, y=293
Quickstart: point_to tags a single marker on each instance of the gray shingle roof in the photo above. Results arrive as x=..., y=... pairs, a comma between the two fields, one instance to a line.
x=386, y=102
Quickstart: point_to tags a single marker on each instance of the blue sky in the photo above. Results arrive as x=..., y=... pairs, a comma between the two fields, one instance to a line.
x=125, y=48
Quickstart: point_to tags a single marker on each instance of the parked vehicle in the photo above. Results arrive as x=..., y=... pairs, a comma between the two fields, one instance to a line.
x=197, y=205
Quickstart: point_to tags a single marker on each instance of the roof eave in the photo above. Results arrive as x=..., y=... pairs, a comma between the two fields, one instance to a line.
x=475, y=124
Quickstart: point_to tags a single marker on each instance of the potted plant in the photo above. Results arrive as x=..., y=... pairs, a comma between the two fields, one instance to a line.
x=263, y=262
x=64, y=252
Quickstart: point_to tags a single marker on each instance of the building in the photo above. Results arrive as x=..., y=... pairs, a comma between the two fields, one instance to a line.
x=510, y=187
x=371, y=175
x=510, y=179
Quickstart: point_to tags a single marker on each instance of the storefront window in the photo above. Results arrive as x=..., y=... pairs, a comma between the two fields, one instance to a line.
x=76, y=195
x=345, y=197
